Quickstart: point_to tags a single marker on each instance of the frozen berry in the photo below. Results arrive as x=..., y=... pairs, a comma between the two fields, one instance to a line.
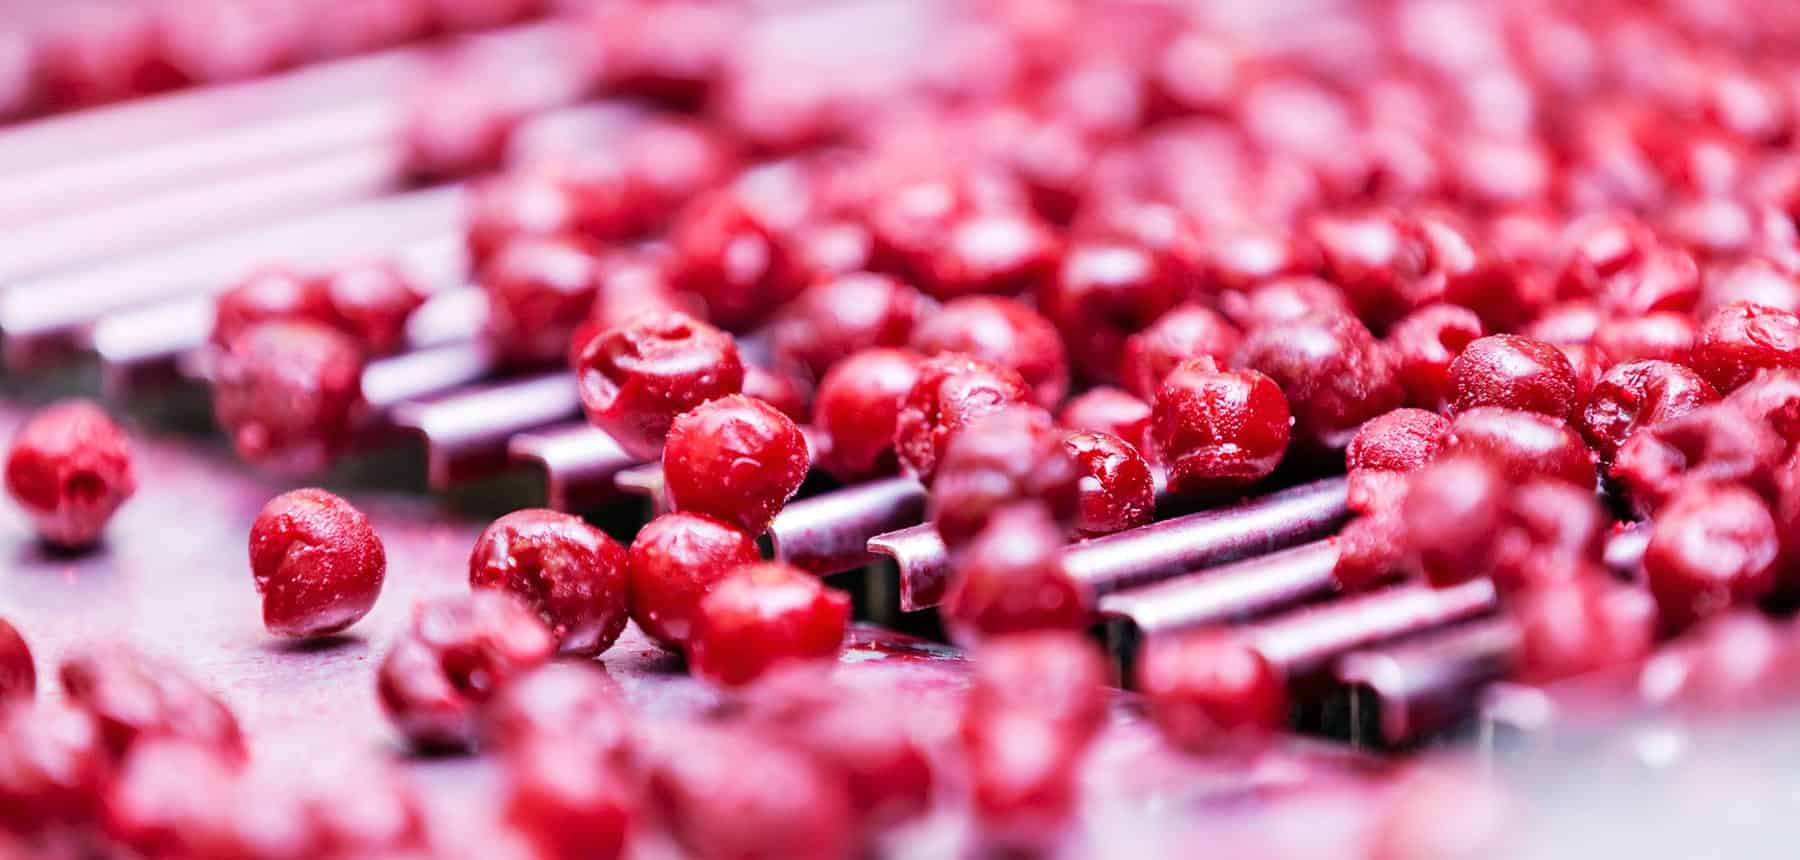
x=1334, y=373
x=1188, y=331
x=1639, y=394
x=539, y=289
x=1104, y=409
x=731, y=794
x=1424, y=344
x=762, y=615
x=674, y=562
x=1011, y=456
x=1581, y=624
x=18, y=675
x=270, y=293
x=1105, y=293
x=841, y=316
x=1004, y=331
x=1117, y=491
x=1211, y=692
x=317, y=563
x=289, y=394
x=1219, y=430
x=1523, y=444
x=570, y=573
x=858, y=407
x=1513, y=372
x=70, y=469
x=133, y=699
x=951, y=391
x=635, y=378
x=1011, y=578
x=1400, y=441
x=735, y=458
x=1740, y=339
x=1713, y=547
x=456, y=654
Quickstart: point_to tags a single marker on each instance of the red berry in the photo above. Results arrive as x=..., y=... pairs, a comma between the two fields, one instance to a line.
x=182, y=799
x=998, y=252
x=1371, y=550
x=636, y=377
x=1282, y=300
x=517, y=204
x=1103, y=409
x=1713, y=442
x=70, y=469
x=1713, y=547
x=567, y=805
x=1523, y=444
x=1422, y=346
x=289, y=394
x=570, y=573
x=1753, y=281
x=1452, y=509
x=1663, y=336
x=1188, y=331
x=318, y=564
x=1116, y=489
x=858, y=408
x=632, y=282
x=1639, y=394
x=1055, y=675
x=734, y=259
x=1382, y=261
x=1334, y=373
x=1772, y=397
x=674, y=562
x=1581, y=624
x=1004, y=331
x=763, y=615
x=1400, y=441
x=1740, y=339
x=570, y=702
x=1105, y=293
x=787, y=393
x=456, y=654
x=1010, y=578
x=841, y=316
x=1211, y=692
x=372, y=302
x=951, y=392
x=1513, y=372
x=54, y=768
x=735, y=458
x=18, y=675
x=134, y=699
x=270, y=293
x=1011, y=456
x=1219, y=430
x=539, y=288
x=733, y=795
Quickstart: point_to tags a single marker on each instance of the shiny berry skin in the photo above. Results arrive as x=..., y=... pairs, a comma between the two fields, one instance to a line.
x=674, y=562
x=1465, y=519
x=1663, y=336
x=574, y=702
x=1188, y=331
x=69, y=468
x=1422, y=346
x=1105, y=293
x=568, y=806
x=1218, y=430
x=1334, y=373
x=1523, y=444
x=843, y=315
x=761, y=616
x=789, y=394
x=1714, y=443
x=1713, y=547
x=735, y=458
x=1452, y=507
x=270, y=293
x=636, y=377
x=18, y=675
x=317, y=562
x=733, y=259
x=570, y=573
x=1010, y=578
x=1400, y=441
x=1116, y=489
x=54, y=768
x=632, y=282
x=1772, y=397
x=857, y=407
x=517, y=204
x=1004, y=458
x=1581, y=624
x=1740, y=339
x=998, y=252
x=1282, y=300
x=1638, y=394
x=1210, y=692
x=1004, y=331
x=1513, y=372
x=538, y=288
x=716, y=789
x=289, y=395
x=453, y=657
x=133, y=699
x=1754, y=281
x=371, y=301
x=951, y=391
x=1113, y=411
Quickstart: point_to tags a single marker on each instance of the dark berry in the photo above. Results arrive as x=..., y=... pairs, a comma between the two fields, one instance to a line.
x=539, y=289
x=1001, y=459
x=1210, y=692
x=1104, y=409
x=1334, y=373
x=843, y=315
x=1713, y=547
x=1400, y=441
x=858, y=407
x=1004, y=331
x=1011, y=579
x=1740, y=339
x=1513, y=372
x=1117, y=491
x=1639, y=394
x=1422, y=346
x=1188, y=331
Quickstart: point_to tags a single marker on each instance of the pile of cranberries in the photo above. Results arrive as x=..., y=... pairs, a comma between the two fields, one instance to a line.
x=1527, y=273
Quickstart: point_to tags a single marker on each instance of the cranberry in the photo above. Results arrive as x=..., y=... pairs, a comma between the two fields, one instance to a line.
x=18, y=676
x=371, y=301
x=1219, y=430
x=1004, y=331
x=289, y=394
x=857, y=408
x=1713, y=547
x=1334, y=373
x=1581, y=624
x=539, y=289
x=1282, y=300
x=1116, y=489
x=318, y=564
x=133, y=699
x=711, y=786
x=735, y=458
x=568, y=702
x=1105, y=293
x=567, y=805
x=636, y=377
x=762, y=615
x=1010, y=578
x=1740, y=339
x=1523, y=444
x=1400, y=441
x=1104, y=409
x=1512, y=372
x=674, y=563
x=951, y=391
x=1712, y=442
x=569, y=572
x=54, y=767
x=1211, y=692
x=456, y=654
x=1639, y=394
x=843, y=315
x=516, y=204
x=1010, y=456
x=1664, y=336
x=270, y=293
x=70, y=469
x=1422, y=346
x=733, y=259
